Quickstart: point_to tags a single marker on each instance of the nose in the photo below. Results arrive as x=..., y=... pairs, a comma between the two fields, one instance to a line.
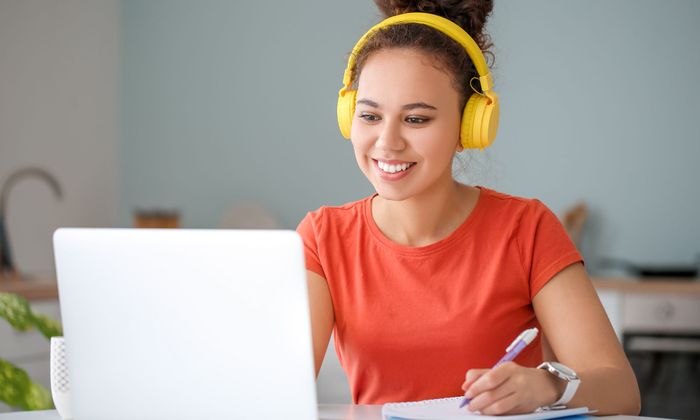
x=390, y=137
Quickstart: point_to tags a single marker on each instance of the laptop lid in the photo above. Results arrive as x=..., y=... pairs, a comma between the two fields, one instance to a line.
x=186, y=324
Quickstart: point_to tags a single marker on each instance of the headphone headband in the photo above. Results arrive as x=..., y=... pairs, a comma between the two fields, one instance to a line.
x=480, y=115
x=440, y=23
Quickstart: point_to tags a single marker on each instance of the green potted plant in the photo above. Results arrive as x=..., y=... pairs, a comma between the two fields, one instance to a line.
x=16, y=387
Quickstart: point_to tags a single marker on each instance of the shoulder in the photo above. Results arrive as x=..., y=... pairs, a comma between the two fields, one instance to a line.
x=504, y=207
x=337, y=218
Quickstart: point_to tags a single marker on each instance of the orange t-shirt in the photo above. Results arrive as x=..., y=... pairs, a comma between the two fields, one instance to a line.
x=410, y=321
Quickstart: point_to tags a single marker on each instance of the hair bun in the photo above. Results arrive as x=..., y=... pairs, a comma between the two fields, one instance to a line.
x=471, y=15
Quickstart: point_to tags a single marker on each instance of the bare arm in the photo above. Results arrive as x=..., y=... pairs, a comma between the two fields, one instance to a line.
x=547, y=353
x=322, y=316
x=581, y=337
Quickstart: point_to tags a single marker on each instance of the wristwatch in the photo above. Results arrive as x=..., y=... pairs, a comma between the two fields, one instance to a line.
x=565, y=373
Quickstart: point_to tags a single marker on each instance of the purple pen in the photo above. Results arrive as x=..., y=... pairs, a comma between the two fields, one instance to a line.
x=512, y=351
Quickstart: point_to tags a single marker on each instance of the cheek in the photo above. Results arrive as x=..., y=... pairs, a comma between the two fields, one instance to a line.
x=437, y=143
x=360, y=147
x=358, y=132
x=361, y=138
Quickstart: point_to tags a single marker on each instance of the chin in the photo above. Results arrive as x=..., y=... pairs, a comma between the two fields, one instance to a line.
x=392, y=194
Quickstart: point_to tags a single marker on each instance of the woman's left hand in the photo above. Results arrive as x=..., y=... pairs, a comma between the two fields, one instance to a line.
x=510, y=389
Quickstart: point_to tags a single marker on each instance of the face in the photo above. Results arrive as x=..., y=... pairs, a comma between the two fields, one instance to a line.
x=405, y=131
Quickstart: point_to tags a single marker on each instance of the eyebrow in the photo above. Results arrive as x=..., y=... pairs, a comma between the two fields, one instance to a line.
x=408, y=107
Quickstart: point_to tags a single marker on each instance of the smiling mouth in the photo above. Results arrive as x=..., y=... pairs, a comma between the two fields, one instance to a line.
x=392, y=168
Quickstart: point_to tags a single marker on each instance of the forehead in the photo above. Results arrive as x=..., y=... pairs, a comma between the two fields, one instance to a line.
x=404, y=75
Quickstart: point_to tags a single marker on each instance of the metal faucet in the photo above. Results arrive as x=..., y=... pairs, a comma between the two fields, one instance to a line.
x=7, y=266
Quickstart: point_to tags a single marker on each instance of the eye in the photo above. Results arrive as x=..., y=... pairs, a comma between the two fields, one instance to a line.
x=368, y=117
x=417, y=120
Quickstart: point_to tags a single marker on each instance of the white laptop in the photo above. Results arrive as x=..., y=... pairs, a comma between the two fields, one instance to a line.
x=186, y=324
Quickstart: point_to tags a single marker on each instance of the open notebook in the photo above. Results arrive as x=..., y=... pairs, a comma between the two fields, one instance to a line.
x=448, y=409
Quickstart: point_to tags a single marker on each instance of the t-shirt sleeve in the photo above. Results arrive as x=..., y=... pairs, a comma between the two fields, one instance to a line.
x=545, y=247
x=307, y=229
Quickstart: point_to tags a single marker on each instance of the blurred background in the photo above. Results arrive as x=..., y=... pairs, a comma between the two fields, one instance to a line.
x=221, y=114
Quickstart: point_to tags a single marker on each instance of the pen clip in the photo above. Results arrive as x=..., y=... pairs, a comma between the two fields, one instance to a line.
x=527, y=336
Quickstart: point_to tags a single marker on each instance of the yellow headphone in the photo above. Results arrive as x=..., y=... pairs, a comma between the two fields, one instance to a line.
x=480, y=114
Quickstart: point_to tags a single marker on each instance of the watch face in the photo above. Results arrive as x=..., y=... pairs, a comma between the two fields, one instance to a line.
x=563, y=369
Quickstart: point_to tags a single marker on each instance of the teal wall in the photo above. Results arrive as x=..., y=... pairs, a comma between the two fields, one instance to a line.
x=224, y=101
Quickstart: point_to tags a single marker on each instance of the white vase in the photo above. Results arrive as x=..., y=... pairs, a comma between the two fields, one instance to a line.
x=60, y=383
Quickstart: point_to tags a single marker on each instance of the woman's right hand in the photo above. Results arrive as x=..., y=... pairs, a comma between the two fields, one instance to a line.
x=510, y=388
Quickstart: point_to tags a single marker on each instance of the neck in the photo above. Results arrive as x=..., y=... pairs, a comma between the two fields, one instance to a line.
x=425, y=218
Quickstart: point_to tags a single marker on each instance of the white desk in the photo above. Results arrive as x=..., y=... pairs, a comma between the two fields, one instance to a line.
x=325, y=411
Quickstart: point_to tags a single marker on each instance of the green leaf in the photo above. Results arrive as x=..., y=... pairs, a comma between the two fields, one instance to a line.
x=14, y=384
x=19, y=314
x=16, y=311
x=16, y=388
x=18, y=391
x=47, y=326
x=38, y=398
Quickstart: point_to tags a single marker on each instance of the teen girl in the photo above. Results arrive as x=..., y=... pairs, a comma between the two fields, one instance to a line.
x=426, y=282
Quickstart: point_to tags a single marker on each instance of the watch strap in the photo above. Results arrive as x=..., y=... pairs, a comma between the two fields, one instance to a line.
x=569, y=391
x=572, y=383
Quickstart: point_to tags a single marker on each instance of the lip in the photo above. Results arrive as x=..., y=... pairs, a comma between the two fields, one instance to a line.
x=392, y=177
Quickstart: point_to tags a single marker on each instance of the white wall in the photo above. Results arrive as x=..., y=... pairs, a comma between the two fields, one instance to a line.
x=58, y=110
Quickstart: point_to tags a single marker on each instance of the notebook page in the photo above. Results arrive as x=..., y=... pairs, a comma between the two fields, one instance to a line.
x=448, y=409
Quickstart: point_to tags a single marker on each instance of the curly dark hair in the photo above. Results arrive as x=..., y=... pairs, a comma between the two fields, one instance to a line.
x=470, y=15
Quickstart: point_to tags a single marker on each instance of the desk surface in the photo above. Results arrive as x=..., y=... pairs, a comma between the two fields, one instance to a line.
x=325, y=411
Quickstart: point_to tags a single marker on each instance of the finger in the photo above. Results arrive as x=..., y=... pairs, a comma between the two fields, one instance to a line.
x=492, y=379
x=471, y=376
x=507, y=404
x=487, y=398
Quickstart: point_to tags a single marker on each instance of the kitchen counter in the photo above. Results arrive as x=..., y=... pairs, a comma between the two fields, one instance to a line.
x=30, y=288
x=45, y=288
x=648, y=285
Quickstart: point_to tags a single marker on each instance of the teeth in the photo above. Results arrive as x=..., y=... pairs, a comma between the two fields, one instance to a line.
x=393, y=168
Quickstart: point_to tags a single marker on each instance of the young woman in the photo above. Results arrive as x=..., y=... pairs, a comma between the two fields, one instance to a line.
x=426, y=282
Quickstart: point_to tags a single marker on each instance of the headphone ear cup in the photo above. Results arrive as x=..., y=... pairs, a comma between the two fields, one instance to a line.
x=346, y=111
x=479, y=121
